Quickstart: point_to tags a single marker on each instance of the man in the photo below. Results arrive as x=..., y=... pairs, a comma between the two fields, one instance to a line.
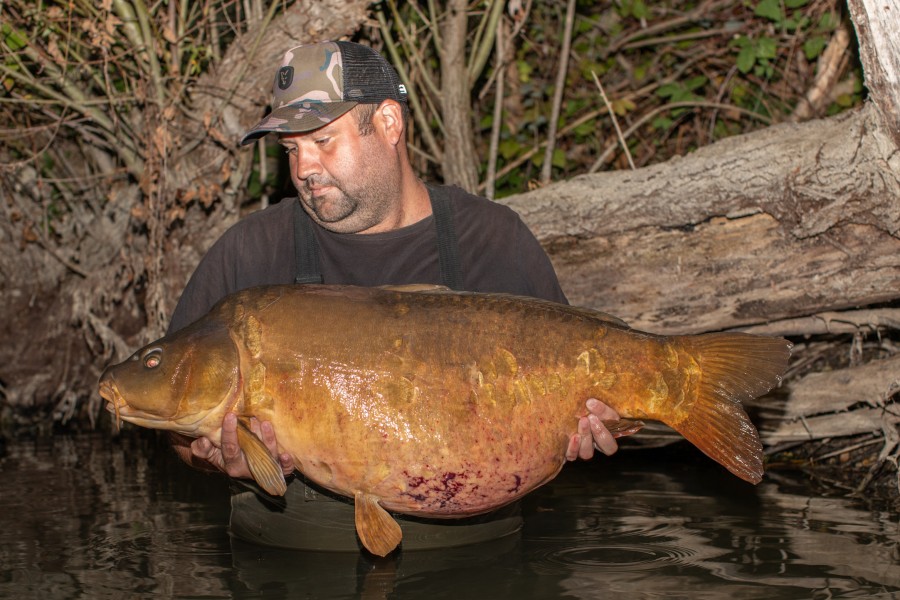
x=363, y=218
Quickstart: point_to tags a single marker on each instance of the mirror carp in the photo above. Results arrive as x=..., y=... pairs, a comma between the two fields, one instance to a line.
x=440, y=404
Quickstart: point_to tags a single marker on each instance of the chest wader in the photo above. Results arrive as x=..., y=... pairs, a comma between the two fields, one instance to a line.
x=309, y=518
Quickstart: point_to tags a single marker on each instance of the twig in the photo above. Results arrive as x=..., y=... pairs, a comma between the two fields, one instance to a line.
x=500, y=57
x=681, y=37
x=891, y=441
x=482, y=48
x=417, y=110
x=671, y=106
x=831, y=64
x=848, y=449
x=547, y=167
x=615, y=121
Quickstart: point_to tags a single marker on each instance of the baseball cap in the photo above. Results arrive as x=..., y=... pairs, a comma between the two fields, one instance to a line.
x=317, y=83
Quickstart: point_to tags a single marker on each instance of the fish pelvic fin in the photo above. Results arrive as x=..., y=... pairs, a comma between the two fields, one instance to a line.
x=379, y=533
x=734, y=367
x=264, y=468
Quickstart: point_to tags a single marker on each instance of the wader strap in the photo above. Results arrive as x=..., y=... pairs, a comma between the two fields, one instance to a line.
x=306, y=250
x=448, y=247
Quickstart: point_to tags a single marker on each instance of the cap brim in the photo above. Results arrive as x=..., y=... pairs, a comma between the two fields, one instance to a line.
x=297, y=118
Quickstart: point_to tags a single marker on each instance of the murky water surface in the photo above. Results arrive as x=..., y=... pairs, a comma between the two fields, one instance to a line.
x=93, y=516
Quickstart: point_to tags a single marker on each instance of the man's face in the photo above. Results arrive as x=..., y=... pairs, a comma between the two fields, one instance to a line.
x=348, y=183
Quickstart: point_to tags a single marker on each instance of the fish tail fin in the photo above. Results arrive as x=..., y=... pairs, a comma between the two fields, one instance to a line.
x=734, y=368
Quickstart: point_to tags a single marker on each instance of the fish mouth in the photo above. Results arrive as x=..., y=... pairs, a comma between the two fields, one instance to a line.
x=114, y=400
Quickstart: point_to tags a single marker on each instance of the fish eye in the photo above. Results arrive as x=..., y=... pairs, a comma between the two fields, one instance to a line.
x=152, y=358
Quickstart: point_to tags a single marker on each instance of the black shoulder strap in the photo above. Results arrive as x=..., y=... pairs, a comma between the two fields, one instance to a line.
x=448, y=247
x=306, y=250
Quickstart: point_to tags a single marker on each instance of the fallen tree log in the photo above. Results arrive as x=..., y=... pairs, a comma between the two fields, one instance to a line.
x=785, y=222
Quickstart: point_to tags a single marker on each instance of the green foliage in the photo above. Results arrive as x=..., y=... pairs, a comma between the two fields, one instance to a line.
x=756, y=55
x=682, y=91
x=633, y=8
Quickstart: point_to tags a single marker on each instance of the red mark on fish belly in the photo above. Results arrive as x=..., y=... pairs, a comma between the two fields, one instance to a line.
x=514, y=489
x=439, y=491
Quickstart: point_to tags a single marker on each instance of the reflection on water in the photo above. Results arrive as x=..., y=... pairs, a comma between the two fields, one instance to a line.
x=92, y=516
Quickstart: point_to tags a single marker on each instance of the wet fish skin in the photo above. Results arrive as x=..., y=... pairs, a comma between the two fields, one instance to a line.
x=430, y=402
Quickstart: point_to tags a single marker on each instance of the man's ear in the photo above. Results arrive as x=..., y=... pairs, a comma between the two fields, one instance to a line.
x=388, y=119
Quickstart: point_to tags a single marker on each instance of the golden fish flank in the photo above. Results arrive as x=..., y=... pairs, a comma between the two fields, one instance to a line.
x=435, y=403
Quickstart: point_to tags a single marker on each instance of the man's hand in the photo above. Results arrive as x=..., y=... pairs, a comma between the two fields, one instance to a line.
x=230, y=458
x=592, y=433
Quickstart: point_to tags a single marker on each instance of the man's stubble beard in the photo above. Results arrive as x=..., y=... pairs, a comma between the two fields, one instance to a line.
x=351, y=211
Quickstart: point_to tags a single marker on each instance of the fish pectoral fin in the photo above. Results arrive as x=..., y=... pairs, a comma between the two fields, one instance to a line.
x=264, y=468
x=623, y=427
x=377, y=530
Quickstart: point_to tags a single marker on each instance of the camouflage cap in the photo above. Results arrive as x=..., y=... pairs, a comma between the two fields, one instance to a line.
x=317, y=83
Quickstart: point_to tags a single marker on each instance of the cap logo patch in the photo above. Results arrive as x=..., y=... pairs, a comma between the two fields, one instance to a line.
x=285, y=77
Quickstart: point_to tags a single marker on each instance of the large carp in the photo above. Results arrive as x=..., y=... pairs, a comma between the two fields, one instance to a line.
x=434, y=403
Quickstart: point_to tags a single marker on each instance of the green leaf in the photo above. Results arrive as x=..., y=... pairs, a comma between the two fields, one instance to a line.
x=742, y=41
x=525, y=69
x=508, y=148
x=639, y=10
x=668, y=90
x=770, y=9
x=695, y=82
x=795, y=3
x=766, y=48
x=559, y=158
x=14, y=39
x=813, y=46
x=661, y=123
x=746, y=59
x=585, y=129
x=827, y=23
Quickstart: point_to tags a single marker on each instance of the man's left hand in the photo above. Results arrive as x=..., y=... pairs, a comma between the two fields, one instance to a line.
x=592, y=433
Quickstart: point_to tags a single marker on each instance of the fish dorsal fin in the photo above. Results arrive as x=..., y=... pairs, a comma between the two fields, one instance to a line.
x=377, y=530
x=416, y=287
x=265, y=469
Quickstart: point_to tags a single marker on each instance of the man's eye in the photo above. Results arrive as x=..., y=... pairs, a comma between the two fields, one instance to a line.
x=289, y=150
x=323, y=140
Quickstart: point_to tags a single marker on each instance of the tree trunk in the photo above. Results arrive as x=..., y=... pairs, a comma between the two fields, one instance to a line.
x=87, y=301
x=458, y=164
x=877, y=23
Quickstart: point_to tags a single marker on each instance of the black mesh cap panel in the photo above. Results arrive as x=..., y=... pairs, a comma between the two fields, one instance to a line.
x=368, y=77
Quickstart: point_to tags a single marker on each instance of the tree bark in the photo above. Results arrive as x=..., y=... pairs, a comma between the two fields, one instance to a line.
x=877, y=23
x=782, y=223
x=458, y=164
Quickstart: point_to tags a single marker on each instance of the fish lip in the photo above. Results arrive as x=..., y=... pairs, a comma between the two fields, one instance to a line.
x=117, y=406
x=114, y=400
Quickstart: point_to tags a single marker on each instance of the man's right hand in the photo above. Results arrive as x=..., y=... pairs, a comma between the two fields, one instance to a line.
x=229, y=458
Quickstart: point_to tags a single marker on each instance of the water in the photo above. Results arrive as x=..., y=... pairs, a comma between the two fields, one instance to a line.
x=92, y=516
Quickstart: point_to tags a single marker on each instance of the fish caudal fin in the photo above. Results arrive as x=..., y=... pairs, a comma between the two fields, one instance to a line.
x=377, y=530
x=265, y=469
x=735, y=367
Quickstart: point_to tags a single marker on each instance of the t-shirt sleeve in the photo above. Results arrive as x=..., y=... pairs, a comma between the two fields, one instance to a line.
x=210, y=282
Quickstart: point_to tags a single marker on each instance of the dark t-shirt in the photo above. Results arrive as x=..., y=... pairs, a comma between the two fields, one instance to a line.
x=497, y=253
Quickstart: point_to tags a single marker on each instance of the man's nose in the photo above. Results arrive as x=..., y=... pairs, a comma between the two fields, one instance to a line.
x=307, y=163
